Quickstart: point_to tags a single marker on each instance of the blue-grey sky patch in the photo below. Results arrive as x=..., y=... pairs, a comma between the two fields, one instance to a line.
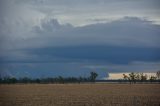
x=100, y=34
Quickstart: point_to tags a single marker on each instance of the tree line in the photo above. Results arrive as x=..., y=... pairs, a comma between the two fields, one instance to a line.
x=133, y=78
x=59, y=79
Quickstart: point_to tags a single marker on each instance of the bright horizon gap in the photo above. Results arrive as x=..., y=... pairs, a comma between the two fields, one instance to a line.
x=119, y=75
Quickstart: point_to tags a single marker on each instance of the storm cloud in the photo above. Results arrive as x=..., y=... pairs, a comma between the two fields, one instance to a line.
x=74, y=37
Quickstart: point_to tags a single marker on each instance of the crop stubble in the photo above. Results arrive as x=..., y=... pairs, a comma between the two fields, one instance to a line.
x=80, y=95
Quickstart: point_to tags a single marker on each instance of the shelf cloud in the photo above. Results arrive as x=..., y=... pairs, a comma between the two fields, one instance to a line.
x=75, y=35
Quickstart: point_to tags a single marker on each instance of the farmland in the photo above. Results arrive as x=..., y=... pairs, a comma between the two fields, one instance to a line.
x=80, y=95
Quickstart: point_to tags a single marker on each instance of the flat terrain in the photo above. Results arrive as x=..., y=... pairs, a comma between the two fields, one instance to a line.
x=80, y=95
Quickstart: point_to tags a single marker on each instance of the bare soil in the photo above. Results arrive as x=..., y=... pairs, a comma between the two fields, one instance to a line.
x=80, y=95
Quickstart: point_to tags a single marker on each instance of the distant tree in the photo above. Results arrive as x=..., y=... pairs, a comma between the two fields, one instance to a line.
x=61, y=79
x=143, y=77
x=152, y=78
x=158, y=74
x=25, y=80
x=37, y=80
x=6, y=80
x=0, y=79
x=132, y=76
x=13, y=80
x=125, y=77
x=138, y=77
x=80, y=79
x=93, y=76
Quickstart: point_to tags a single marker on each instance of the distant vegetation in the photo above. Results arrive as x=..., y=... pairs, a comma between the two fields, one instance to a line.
x=131, y=78
x=59, y=79
x=141, y=77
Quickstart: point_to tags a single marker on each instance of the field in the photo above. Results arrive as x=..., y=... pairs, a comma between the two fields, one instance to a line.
x=80, y=95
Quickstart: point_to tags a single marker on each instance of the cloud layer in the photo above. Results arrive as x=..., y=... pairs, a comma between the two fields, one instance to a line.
x=77, y=35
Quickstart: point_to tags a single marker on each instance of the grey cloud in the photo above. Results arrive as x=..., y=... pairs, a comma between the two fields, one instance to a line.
x=73, y=69
x=70, y=2
x=130, y=67
x=51, y=26
x=36, y=31
x=54, y=40
x=128, y=32
x=72, y=10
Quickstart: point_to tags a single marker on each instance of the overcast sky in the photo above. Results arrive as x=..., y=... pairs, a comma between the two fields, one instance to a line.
x=41, y=38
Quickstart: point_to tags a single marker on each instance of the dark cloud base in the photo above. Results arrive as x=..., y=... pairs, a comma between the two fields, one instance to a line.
x=73, y=51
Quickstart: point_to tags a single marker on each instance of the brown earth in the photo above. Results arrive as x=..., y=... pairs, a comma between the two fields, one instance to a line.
x=80, y=95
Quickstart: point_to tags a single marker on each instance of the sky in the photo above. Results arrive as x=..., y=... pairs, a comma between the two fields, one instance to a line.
x=48, y=38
